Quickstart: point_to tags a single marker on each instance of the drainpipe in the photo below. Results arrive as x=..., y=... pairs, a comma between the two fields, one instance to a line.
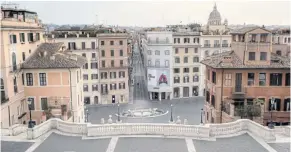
x=221, y=96
x=9, y=115
x=71, y=94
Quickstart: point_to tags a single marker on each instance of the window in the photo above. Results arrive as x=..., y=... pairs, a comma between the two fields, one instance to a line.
x=186, y=79
x=186, y=70
x=30, y=37
x=149, y=62
x=93, y=55
x=166, y=63
x=195, y=50
x=71, y=45
x=287, y=79
x=208, y=74
x=94, y=87
x=287, y=104
x=185, y=59
x=84, y=54
x=122, y=85
x=178, y=39
x=157, y=63
x=186, y=40
x=214, y=77
x=167, y=52
x=44, y=105
x=121, y=42
x=42, y=79
x=157, y=52
x=195, y=78
x=275, y=79
x=149, y=52
x=120, y=52
x=157, y=40
x=29, y=51
x=276, y=105
x=194, y=40
x=85, y=88
x=113, y=86
x=103, y=64
x=13, y=39
x=175, y=39
x=263, y=56
x=87, y=100
x=85, y=66
x=176, y=50
x=31, y=106
x=196, y=69
x=22, y=76
x=37, y=37
x=94, y=65
x=83, y=45
x=252, y=56
x=94, y=76
x=278, y=52
x=29, y=79
x=227, y=79
x=177, y=60
x=121, y=74
x=111, y=42
x=121, y=63
x=195, y=59
x=186, y=50
x=93, y=45
x=112, y=52
x=102, y=43
x=176, y=79
x=251, y=79
x=262, y=79
x=22, y=37
x=103, y=75
x=197, y=40
x=23, y=56
x=103, y=53
x=85, y=76
x=112, y=63
x=176, y=70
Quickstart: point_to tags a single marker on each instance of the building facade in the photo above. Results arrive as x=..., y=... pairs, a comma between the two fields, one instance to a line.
x=83, y=42
x=242, y=82
x=21, y=33
x=53, y=83
x=114, y=67
x=158, y=61
x=186, y=66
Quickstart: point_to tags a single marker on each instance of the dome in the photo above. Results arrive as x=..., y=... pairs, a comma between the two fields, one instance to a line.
x=214, y=17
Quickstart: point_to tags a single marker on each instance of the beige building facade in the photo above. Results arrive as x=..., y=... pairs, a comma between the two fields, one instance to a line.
x=21, y=33
x=113, y=69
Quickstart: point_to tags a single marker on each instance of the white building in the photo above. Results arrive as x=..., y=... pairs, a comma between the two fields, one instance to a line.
x=157, y=52
x=186, y=66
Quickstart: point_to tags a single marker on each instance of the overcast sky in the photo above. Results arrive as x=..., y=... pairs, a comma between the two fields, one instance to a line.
x=153, y=13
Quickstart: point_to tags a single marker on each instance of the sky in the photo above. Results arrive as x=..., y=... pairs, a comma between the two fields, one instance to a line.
x=159, y=13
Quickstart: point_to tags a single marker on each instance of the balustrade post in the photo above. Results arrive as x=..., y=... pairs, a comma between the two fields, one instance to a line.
x=110, y=119
x=185, y=122
x=29, y=133
x=178, y=120
x=102, y=121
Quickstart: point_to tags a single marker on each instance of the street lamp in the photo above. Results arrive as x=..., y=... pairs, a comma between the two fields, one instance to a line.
x=271, y=125
x=201, y=121
x=171, y=119
x=118, y=113
x=30, y=125
x=87, y=115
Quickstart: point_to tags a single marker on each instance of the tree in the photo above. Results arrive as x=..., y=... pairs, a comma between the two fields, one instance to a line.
x=250, y=111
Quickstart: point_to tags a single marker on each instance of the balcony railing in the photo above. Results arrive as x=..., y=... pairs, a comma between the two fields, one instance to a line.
x=157, y=66
x=238, y=92
x=158, y=42
x=216, y=45
x=207, y=45
x=113, y=67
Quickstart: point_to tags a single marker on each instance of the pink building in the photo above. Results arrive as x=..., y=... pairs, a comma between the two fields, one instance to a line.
x=53, y=83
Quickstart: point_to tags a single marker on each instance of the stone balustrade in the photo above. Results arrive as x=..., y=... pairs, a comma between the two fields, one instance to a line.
x=173, y=129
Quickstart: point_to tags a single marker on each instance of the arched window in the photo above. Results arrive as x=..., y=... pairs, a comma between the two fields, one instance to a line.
x=96, y=100
x=14, y=61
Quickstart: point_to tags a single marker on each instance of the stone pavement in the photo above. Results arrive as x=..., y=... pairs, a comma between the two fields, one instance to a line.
x=61, y=143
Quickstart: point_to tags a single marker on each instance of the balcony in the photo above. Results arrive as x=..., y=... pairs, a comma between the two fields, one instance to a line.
x=238, y=92
x=157, y=66
x=224, y=45
x=158, y=42
x=113, y=67
x=207, y=45
x=216, y=45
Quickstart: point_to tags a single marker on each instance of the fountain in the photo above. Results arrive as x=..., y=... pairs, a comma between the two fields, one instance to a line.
x=142, y=113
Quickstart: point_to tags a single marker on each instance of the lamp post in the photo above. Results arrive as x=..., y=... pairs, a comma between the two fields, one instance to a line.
x=201, y=121
x=30, y=125
x=118, y=113
x=271, y=125
x=87, y=115
x=171, y=118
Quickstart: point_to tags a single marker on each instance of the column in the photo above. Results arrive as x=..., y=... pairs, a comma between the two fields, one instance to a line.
x=151, y=95
x=190, y=91
x=181, y=92
x=160, y=96
x=171, y=95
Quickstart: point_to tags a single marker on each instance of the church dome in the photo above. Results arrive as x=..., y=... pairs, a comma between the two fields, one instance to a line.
x=214, y=17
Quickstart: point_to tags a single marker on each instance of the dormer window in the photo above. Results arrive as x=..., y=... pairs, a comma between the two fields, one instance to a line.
x=252, y=56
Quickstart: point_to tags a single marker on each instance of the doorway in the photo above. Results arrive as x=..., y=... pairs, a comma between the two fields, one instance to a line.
x=238, y=82
x=113, y=98
x=155, y=95
x=163, y=95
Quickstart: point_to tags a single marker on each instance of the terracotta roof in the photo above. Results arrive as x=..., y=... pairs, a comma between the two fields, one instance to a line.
x=49, y=56
x=244, y=30
x=216, y=61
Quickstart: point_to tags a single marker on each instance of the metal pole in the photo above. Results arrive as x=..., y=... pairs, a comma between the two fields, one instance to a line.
x=171, y=119
x=30, y=121
x=201, y=117
x=118, y=114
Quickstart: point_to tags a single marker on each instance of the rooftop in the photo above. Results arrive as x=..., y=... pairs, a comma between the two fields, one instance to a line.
x=216, y=61
x=50, y=56
x=245, y=30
